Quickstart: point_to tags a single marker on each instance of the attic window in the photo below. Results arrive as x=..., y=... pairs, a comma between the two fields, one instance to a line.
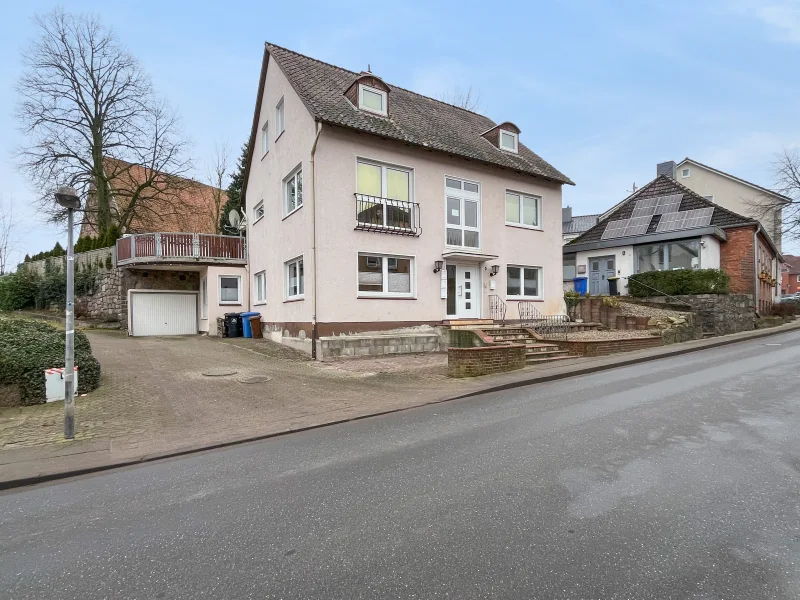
x=508, y=141
x=372, y=99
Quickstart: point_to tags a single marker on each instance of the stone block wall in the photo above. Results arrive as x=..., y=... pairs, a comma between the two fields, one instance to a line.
x=485, y=360
x=717, y=314
x=605, y=347
x=378, y=344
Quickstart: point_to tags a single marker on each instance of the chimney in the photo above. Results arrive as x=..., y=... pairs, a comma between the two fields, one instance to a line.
x=566, y=214
x=668, y=168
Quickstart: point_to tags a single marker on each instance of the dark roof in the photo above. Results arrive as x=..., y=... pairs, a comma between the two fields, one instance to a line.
x=664, y=186
x=739, y=179
x=413, y=118
x=792, y=263
x=579, y=224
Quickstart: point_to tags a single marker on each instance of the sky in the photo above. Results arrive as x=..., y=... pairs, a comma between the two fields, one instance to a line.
x=601, y=90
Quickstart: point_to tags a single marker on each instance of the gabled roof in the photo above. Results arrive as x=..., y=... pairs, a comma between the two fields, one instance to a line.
x=792, y=264
x=662, y=186
x=413, y=118
x=579, y=224
x=734, y=178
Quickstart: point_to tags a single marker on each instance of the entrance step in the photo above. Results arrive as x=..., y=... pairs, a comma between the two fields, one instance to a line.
x=467, y=323
x=539, y=361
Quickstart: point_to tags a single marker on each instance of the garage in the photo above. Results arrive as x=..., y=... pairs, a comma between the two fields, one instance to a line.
x=162, y=313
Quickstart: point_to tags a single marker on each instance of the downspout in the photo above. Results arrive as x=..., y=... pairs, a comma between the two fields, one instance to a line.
x=755, y=267
x=314, y=246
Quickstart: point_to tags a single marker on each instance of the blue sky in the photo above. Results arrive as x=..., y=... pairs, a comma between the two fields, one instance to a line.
x=601, y=90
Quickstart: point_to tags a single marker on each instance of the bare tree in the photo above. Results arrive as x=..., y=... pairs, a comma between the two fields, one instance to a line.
x=787, y=183
x=8, y=234
x=218, y=172
x=87, y=108
x=468, y=99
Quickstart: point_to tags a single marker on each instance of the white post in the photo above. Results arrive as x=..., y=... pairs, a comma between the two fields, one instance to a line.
x=158, y=244
x=69, y=354
x=196, y=245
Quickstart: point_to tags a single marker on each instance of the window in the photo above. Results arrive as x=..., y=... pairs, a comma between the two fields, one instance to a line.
x=279, y=119
x=463, y=213
x=385, y=276
x=294, y=279
x=372, y=99
x=685, y=173
x=258, y=212
x=522, y=210
x=386, y=190
x=293, y=191
x=569, y=269
x=709, y=198
x=684, y=254
x=798, y=279
x=230, y=289
x=260, y=287
x=265, y=138
x=204, y=298
x=523, y=282
x=508, y=141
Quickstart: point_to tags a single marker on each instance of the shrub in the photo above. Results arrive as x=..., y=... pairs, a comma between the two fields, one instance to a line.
x=784, y=309
x=18, y=290
x=571, y=299
x=611, y=301
x=27, y=289
x=676, y=283
x=29, y=347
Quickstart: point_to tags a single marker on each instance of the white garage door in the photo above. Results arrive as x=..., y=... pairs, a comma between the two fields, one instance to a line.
x=163, y=313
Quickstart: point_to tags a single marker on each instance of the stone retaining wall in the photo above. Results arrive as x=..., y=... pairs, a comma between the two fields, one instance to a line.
x=718, y=314
x=485, y=360
x=373, y=345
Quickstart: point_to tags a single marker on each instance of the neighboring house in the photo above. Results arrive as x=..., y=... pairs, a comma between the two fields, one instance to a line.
x=574, y=225
x=665, y=225
x=371, y=207
x=790, y=281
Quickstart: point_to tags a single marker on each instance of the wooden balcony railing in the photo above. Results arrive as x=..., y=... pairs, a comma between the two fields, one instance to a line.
x=152, y=248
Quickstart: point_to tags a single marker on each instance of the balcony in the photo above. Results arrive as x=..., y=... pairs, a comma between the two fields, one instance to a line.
x=181, y=248
x=384, y=215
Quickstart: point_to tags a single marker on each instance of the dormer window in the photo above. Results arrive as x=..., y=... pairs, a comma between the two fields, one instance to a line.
x=508, y=141
x=372, y=99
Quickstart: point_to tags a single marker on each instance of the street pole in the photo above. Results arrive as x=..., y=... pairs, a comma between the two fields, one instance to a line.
x=68, y=198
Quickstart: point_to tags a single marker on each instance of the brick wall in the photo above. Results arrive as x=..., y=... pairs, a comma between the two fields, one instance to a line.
x=604, y=347
x=484, y=360
x=736, y=259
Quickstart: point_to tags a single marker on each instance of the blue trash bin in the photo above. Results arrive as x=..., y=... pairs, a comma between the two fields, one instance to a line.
x=246, y=329
x=580, y=285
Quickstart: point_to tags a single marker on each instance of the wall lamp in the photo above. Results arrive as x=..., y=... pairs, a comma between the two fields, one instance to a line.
x=437, y=266
x=494, y=270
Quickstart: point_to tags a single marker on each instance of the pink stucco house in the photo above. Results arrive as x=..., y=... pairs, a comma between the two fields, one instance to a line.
x=371, y=207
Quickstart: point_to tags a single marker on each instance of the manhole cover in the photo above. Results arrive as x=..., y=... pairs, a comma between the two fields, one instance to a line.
x=255, y=379
x=219, y=372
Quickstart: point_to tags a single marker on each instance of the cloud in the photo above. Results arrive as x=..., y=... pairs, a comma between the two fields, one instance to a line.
x=782, y=17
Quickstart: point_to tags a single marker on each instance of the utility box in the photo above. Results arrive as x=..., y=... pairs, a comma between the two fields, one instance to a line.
x=54, y=384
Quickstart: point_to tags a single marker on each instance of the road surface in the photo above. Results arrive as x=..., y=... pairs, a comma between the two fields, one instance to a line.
x=678, y=478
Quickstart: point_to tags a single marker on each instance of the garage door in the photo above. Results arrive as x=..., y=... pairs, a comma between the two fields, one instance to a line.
x=163, y=313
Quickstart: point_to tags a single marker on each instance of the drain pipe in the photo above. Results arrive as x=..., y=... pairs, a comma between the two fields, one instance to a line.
x=755, y=267
x=314, y=245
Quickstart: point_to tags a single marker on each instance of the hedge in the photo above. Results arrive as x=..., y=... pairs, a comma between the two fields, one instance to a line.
x=29, y=347
x=27, y=289
x=678, y=282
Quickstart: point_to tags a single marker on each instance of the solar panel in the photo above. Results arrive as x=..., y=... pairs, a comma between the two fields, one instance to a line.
x=671, y=222
x=638, y=225
x=687, y=219
x=669, y=204
x=615, y=229
x=645, y=207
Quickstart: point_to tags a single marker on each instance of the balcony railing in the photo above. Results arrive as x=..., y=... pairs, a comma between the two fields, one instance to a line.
x=385, y=215
x=153, y=248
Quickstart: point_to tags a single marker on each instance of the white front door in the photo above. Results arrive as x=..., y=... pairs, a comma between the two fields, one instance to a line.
x=463, y=292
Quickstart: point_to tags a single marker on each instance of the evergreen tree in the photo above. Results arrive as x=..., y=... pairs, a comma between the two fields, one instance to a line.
x=58, y=250
x=27, y=258
x=234, y=194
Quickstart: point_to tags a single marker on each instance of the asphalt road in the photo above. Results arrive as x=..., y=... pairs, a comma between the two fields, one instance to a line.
x=678, y=478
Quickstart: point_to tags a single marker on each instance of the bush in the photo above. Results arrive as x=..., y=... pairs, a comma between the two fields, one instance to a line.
x=612, y=301
x=29, y=347
x=18, y=290
x=27, y=289
x=784, y=309
x=676, y=283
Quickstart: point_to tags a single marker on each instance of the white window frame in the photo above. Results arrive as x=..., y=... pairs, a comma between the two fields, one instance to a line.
x=256, y=300
x=798, y=279
x=519, y=223
x=686, y=172
x=522, y=282
x=238, y=301
x=463, y=195
x=385, y=167
x=265, y=139
x=381, y=93
x=286, y=180
x=204, y=299
x=258, y=208
x=386, y=257
x=280, y=118
x=513, y=135
x=287, y=293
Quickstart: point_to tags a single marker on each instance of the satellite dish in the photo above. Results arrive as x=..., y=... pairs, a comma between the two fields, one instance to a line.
x=234, y=218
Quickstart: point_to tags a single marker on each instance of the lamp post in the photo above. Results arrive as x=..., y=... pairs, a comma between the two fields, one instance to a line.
x=68, y=198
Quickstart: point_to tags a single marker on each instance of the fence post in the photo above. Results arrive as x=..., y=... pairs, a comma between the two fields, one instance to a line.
x=133, y=246
x=158, y=244
x=196, y=245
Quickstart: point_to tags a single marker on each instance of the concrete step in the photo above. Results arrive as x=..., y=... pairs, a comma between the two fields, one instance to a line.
x=539, y=361
x=542, y=348
x=546, y=354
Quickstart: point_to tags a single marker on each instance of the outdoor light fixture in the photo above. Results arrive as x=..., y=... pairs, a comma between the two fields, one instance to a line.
x=494, y=270
x=437, y=266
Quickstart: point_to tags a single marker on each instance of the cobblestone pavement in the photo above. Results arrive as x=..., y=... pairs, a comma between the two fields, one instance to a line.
x=153, y=397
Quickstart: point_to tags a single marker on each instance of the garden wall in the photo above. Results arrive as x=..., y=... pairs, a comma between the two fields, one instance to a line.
x=485, y=360
x=718, y=314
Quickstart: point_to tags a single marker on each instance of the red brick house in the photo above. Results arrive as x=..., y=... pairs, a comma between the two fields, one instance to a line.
x=790, y=280
x=667, y=226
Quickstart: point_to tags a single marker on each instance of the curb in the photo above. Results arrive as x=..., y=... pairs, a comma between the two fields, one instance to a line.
x=718, y=342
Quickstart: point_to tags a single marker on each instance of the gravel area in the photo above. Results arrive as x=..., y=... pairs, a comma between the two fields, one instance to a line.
x=629, y=309
x=590, y=336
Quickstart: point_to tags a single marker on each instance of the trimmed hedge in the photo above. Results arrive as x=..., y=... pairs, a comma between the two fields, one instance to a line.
x=676, y=283
x=29, y=347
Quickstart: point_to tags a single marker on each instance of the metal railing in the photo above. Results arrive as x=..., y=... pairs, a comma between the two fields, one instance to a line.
x=186, y=247
x=544, y=325
x=384, y=215
x=497, y=309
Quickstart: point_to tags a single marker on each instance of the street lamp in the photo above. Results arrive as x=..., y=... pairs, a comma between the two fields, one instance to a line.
x=68, y=198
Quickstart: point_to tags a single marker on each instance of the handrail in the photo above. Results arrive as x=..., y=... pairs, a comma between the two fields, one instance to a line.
x=497, y=308
x=385, y=215
x=177, y=245
x=541, y=324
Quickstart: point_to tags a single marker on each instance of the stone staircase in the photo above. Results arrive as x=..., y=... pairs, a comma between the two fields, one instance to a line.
x=537, y=352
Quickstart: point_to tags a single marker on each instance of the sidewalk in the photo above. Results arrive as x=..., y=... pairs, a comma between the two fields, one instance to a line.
x=154, y=401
